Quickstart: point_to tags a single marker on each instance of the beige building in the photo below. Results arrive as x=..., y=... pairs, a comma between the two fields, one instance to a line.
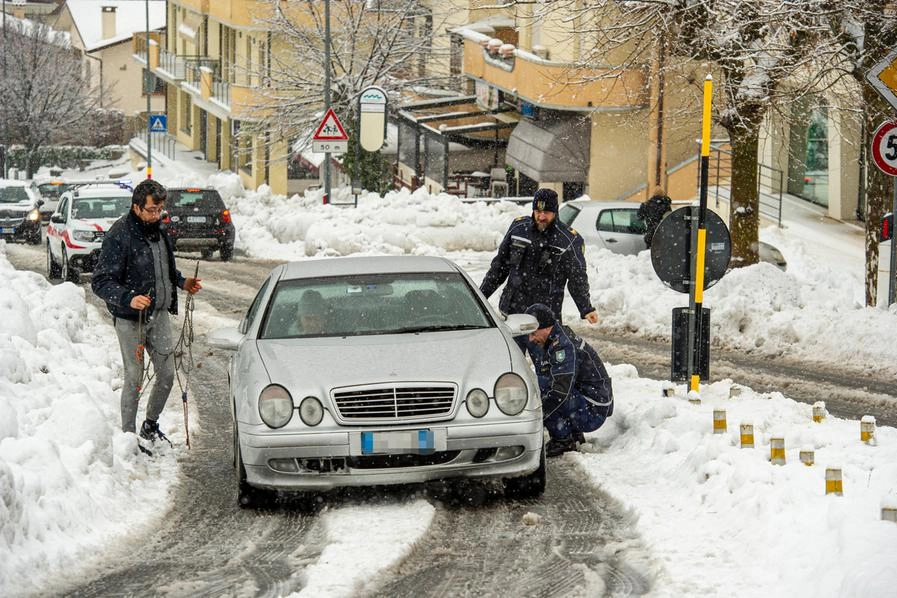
x=103, y=31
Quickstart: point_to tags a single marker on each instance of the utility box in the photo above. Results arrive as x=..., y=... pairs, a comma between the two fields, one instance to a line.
x=679, y=362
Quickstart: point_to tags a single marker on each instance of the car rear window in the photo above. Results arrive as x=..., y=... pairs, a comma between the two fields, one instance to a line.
x=204, y=200
x=373, y=304
x=568, y=214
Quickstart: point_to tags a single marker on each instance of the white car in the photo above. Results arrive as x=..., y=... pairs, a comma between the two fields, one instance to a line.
x=77, y=228
x=364, y=371
x=616, y=226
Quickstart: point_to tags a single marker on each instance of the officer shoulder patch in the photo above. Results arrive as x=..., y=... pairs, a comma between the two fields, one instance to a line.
x=573, y=232
x=519, y=218
x=559, y=356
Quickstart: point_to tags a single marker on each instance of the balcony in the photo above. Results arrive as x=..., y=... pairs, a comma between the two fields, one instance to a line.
x=172, y=65
x=550, y=84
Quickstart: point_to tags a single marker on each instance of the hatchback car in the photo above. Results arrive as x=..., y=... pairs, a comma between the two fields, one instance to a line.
x=19, y=212
x=79, y=225
x=617, y=227
x=197, y=219
x=365, y=371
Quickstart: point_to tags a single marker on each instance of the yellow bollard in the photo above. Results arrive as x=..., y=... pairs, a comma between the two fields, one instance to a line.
x=889, y=514
x=734, y=391
x=747, y=435
x=833, y=483
x=719, y=421
x=807, y=455
x=777, y=451
x=867, y=429
x=818, y=411
x=694, y=397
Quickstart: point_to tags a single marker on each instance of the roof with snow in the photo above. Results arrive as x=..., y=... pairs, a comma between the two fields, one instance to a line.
x=130, y=18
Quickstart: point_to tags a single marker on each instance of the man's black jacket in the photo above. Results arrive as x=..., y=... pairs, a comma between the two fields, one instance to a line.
x=125, y=268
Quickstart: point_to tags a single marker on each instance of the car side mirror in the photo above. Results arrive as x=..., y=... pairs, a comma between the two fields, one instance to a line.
x=225, y=338
x=40, y=202
x=521, y=324
x=57, y=218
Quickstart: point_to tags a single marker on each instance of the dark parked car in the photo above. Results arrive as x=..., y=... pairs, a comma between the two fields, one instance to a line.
x=198, y=220
x=19, y=212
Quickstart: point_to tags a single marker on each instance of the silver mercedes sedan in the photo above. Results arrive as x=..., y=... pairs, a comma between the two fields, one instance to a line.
x=365, y=371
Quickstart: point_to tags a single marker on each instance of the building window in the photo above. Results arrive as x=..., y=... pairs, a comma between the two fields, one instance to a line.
x=152, y=84
x=187, y=113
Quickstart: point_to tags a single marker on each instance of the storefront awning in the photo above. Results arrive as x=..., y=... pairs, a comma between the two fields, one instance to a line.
x=554, y=150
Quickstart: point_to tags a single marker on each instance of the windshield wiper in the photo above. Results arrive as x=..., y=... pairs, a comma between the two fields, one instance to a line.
x=438, y=328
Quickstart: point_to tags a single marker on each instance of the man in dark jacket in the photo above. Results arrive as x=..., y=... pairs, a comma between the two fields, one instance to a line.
x=137, y=278
x=538, y=257
x=653, y=211
x=577, y=395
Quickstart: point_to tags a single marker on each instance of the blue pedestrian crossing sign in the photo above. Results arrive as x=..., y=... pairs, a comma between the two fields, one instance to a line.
x=158, y=123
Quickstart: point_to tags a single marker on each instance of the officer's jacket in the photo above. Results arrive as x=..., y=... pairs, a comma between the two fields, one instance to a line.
x=569, y=363
x=537, y=266
x=125, y=268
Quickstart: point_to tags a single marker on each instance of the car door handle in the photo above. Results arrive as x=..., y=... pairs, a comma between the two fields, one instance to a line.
x=611, y=240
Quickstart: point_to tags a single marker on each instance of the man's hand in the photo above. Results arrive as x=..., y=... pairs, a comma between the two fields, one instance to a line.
x=592, y=317
x=141, y=302
x=192, y=285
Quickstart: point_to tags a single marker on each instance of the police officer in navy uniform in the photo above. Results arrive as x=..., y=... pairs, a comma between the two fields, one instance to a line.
x=577, y=395
x=538, y=257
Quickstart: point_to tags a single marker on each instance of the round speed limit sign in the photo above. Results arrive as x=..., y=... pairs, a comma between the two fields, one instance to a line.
x=884, y=148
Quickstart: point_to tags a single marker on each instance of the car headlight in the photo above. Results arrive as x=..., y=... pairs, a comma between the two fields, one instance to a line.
x=477, y=402
x=34, y=215
x=311, y=411
x=510, y=393
x=275, y=406
x=83, y=235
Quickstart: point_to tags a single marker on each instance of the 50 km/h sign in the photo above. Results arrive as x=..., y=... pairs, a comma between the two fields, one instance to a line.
x=884, y=148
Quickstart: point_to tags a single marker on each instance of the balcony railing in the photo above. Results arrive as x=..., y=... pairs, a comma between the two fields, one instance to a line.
x=172, y=64
x=221, y=90
x=193, y=66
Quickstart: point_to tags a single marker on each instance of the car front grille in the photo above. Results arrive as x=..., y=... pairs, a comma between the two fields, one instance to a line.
x=394, y=403
x=11, y=218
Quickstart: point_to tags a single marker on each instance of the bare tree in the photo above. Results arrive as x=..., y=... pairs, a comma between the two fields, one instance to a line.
x=764, y=54
x=44, y=97
x=389, y=43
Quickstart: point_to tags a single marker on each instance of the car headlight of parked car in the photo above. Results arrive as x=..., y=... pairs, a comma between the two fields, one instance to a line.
x=275, y=406
x=311, y=411
x=83, y=235
x=34, y=215
x=510, y=393
x=477, y=402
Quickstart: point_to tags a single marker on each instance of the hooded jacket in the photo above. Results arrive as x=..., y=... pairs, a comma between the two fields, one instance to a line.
x=125, y=268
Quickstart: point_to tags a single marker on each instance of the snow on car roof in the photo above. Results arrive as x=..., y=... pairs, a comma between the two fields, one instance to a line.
x=344, y=266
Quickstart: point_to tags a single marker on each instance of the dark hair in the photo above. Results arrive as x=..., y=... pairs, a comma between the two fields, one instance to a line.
x=542, y=313
x=147, y=188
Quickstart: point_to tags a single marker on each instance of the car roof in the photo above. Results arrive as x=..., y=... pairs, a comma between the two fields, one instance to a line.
x=13, y=183
x=601, y=203
x=344, y=266
x=98, y=190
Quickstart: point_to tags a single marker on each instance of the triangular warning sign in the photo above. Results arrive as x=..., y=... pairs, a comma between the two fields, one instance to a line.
x=157, y=125
x=330, y=129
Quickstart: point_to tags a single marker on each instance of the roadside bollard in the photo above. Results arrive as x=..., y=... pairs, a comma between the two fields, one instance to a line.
x=867, y=429
x=668, y=390
x=889, y=509
x=747, y=435
x=818, y=411
x=734, y=391
x=777, y=450
x=833, y=483
x=694, y=397
x=807, y=455
x=719, y=421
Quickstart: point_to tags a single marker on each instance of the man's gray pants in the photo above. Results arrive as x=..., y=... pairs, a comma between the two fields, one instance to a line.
x=160, y=351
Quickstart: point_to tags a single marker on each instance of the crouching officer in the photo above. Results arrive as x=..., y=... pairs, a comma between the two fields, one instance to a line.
x=538, y=257
x=577, y=396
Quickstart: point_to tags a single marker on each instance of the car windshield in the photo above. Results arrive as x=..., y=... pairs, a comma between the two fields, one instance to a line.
x=13, y=194
x=372, y=304
x=52, y=190
x=100, y=207
x=204, y=201
x=568, y=214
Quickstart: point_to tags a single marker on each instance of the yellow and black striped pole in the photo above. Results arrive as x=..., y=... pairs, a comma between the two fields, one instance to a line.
x=699, y=235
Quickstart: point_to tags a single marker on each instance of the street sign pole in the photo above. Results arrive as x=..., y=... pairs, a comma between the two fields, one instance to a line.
x=149, y=114
x=327, y=93
x=884, y=155
x=892, y=281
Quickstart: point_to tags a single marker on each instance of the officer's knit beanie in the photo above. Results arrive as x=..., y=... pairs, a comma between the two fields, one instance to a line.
x=543, y=314
x=545, y=200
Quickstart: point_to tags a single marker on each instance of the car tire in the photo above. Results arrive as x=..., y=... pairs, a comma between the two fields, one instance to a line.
x=68, y=273
x=226, y=252
x=528, y=486
x=206, y=253
x=54, y=271
x=248, y=497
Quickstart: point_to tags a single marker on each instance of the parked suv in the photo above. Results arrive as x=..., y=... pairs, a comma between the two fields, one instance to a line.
x=198, y=220
x=77, y=228
x=19, y=212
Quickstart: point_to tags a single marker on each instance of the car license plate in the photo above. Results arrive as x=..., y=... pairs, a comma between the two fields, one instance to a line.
x=196, y=219
x=7, y=231
x=400, y=441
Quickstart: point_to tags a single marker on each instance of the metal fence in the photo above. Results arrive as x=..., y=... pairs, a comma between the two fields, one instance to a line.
x=770, y=183
x=162, y=143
